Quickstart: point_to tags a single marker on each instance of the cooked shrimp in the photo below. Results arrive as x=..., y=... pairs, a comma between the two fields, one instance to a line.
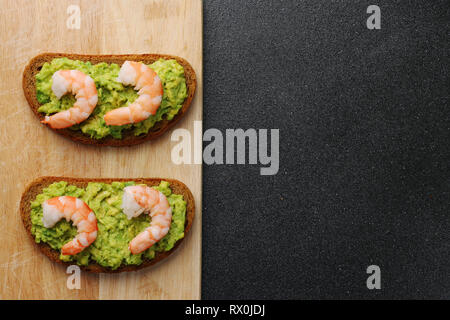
x=150, y=94
x=81, y=215
x=85, y=92
x=139, y=199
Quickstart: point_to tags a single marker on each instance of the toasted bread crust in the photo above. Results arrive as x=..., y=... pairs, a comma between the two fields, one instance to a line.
x=36, y=187
x=128, y=137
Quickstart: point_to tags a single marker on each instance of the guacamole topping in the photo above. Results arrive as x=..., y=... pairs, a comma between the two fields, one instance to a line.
x=112, y=94
x=115, y=231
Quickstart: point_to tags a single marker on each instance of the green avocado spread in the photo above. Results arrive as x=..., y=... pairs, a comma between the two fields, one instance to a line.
x=112, y=94
x=115, y=231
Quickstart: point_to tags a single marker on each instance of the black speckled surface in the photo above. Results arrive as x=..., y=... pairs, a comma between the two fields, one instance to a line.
x=364, y=157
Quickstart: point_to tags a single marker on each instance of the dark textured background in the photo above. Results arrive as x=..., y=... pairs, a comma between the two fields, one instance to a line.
x=364, y=129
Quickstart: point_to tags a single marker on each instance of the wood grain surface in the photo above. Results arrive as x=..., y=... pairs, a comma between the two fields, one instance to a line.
x=29, y=149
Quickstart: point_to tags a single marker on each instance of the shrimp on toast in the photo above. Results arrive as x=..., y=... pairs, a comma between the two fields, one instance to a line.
x=82, y=216
x=142, y=199
x=150, y=94
x=83, y=86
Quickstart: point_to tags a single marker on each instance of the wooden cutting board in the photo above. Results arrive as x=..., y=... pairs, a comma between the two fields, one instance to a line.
x=29, y=150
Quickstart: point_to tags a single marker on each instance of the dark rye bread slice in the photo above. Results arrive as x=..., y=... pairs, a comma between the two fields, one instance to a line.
x=39, y=184
x=128, y=137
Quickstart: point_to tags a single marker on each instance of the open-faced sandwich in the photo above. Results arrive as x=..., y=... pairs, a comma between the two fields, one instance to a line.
x=107, y=225
x=112, y=100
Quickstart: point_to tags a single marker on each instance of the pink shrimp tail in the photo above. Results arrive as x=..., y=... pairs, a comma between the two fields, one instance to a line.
x=142, y=199
x=82, y=216
x=150, y=94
